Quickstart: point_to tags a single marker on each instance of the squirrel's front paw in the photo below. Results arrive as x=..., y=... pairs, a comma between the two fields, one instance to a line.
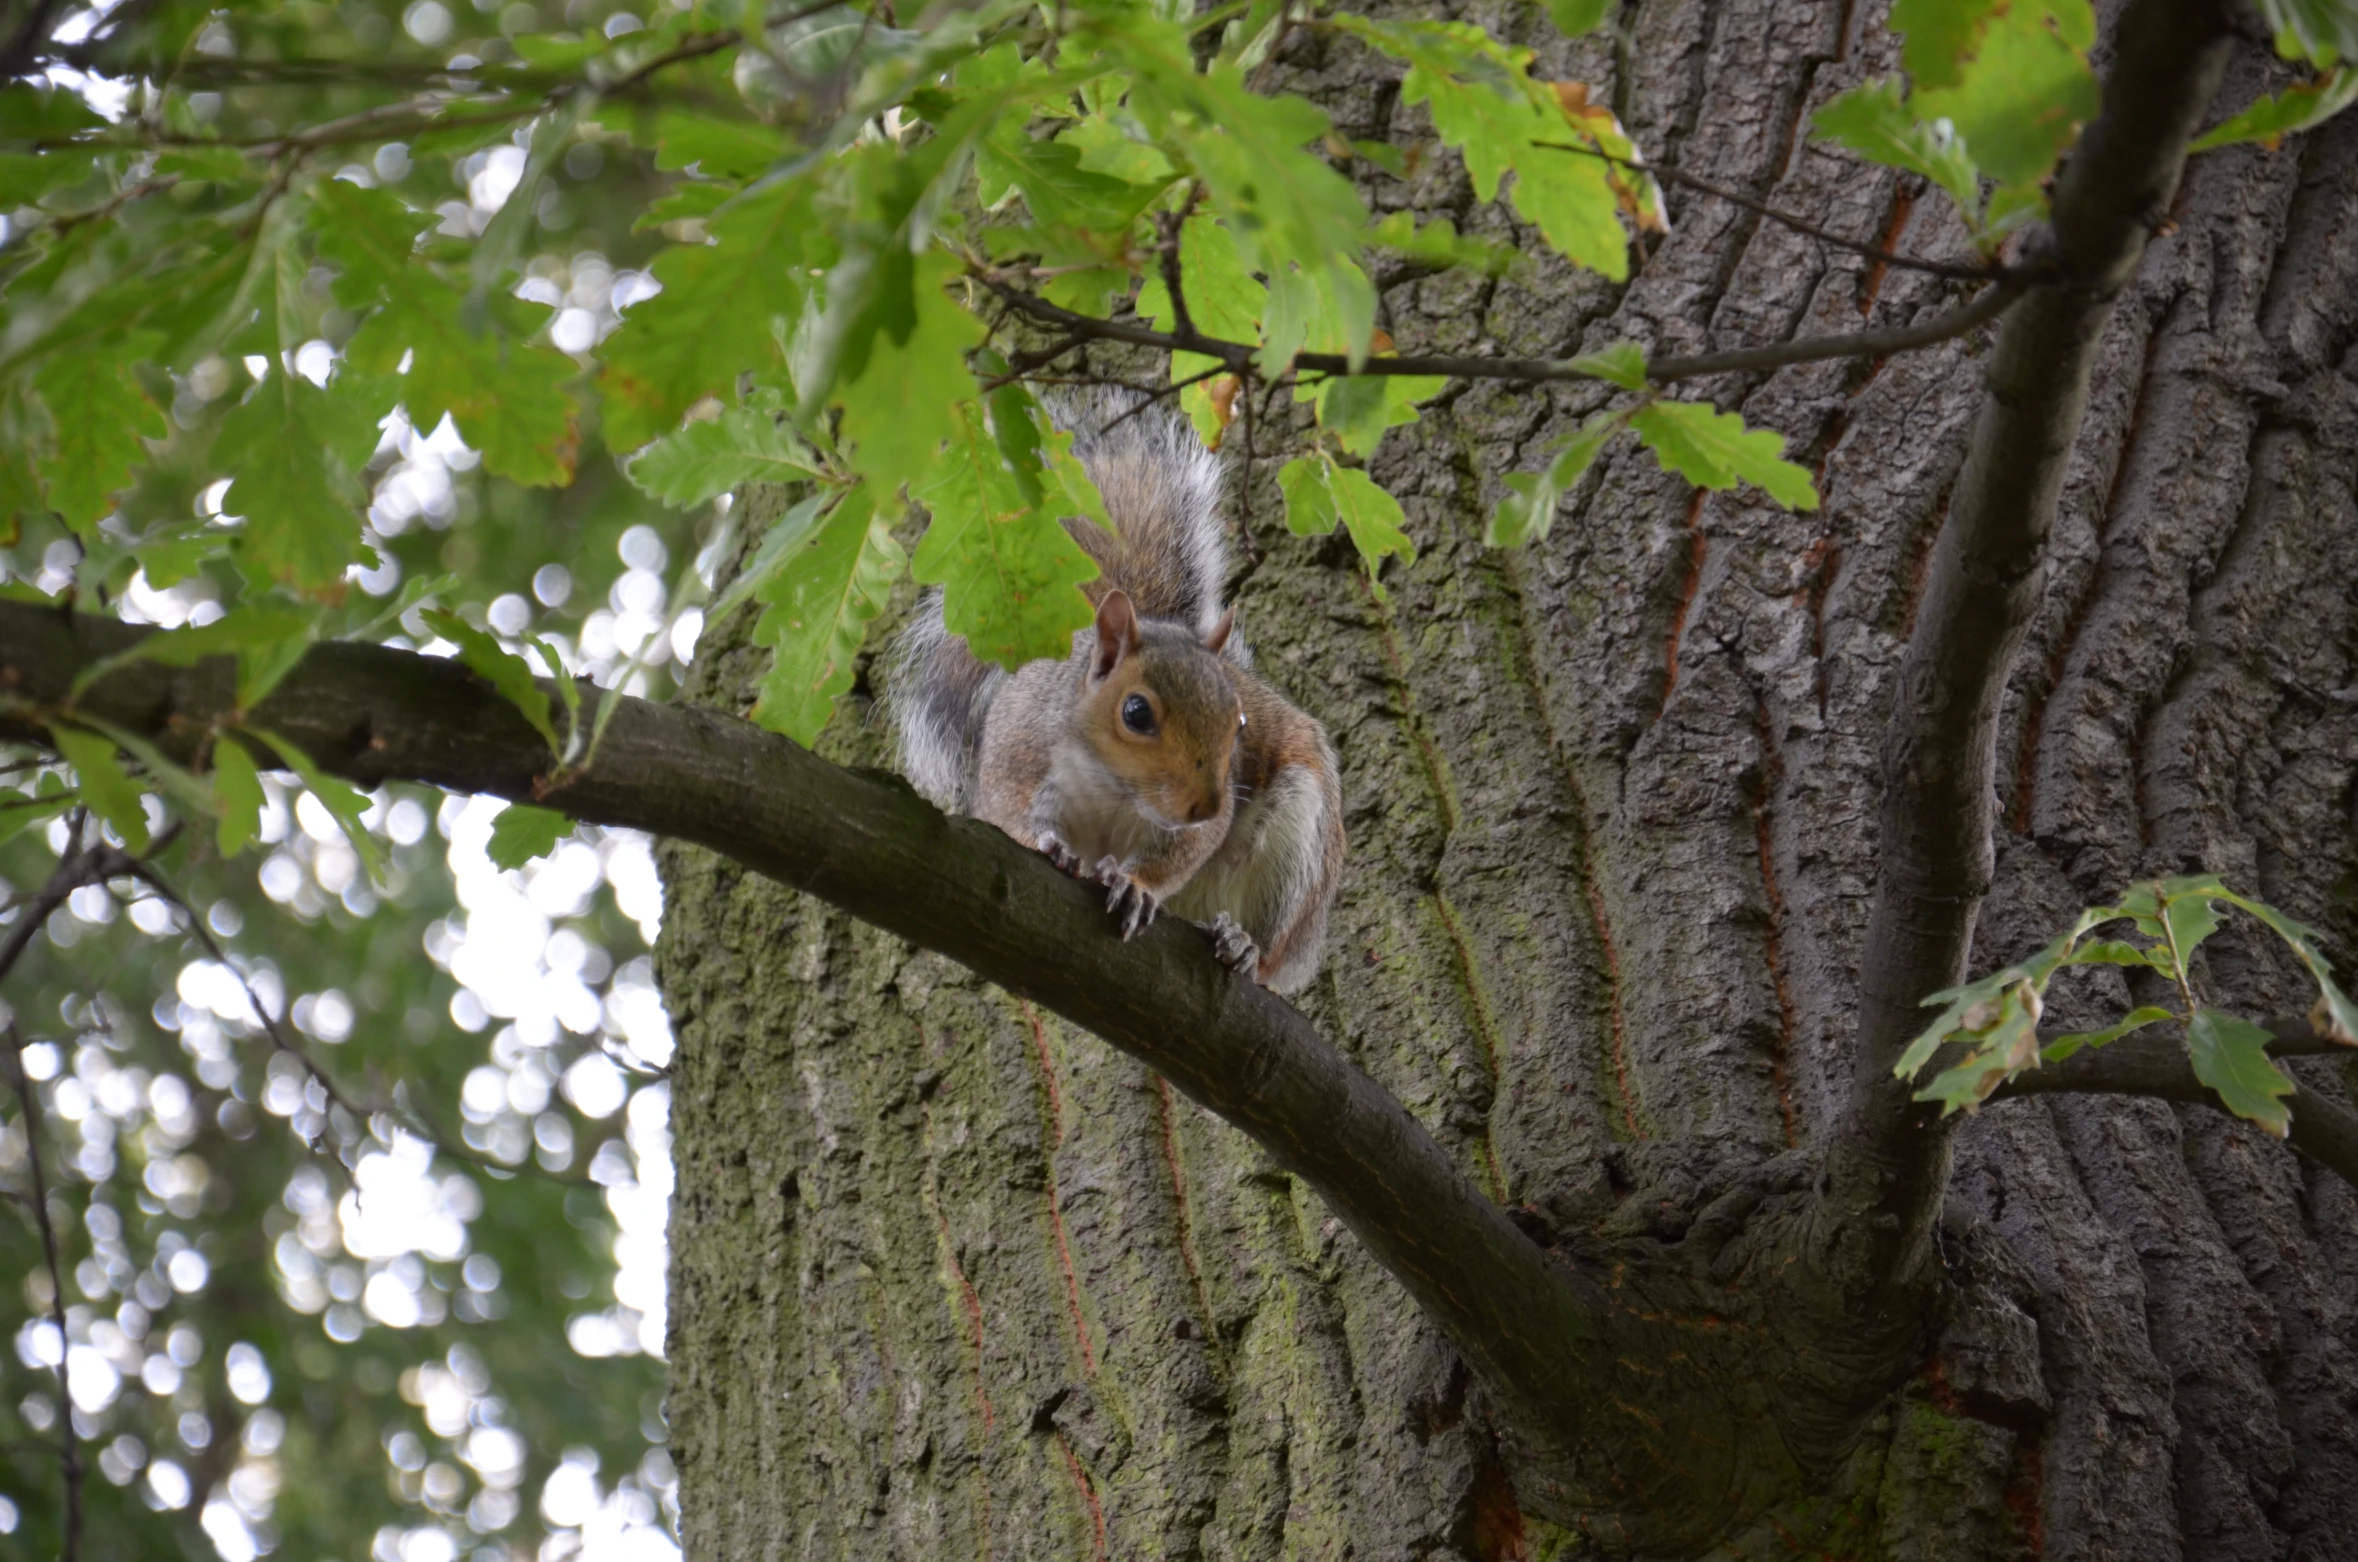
x=1232, y=946
x=1066, y=859
x=1133, y=905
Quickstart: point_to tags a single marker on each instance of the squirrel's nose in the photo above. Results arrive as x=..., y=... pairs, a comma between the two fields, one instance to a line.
x=1201, y=809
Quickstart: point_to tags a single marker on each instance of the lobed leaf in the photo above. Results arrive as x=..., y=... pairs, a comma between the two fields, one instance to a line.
x=237, y=796
x=2282, y=114
x=344, y=802
x=1010, y=573
x=510, y=400
x=506, y=672
x=819, y=603
x=99, y=417
x=711, y=321
x=104, y=784
x=1529, y=511
x=1873, y=120
x=700, y=461
x=1713, y=449
x=523, y=832
x=2231, y=1056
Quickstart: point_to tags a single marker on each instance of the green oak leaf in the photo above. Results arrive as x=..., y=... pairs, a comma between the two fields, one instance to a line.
x=294, y=452
x=237, y=796
x=105, y=785
x=344, y=802
x=1713, y=449
x=99, y=418
x=1529, y=511
x=817, y=609
x=509, y=676
x=702, y=460
x=1309, y=504
x=2282, y=114
x=1874, y=121
x=1224, y=299
x=1940, y=36
x=906, y=398
x=1574, y=17
x=523, y=832
x=2072, y=1041
x=1050, y=178
x=2231, y=1056
x=1010, y=573
x=2022, y=101
x=509, y=400
x=711, y=321
x=2323, y=32
x=717, y=148
x=1622, y=364
x=1372, y=516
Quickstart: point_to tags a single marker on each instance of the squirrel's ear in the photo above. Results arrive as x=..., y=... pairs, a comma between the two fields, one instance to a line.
x=1217, y=640
x=1117, y=633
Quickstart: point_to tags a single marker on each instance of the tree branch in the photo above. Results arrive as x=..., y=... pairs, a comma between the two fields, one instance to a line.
x=1935, y=854
x=1238, y=356
x=1536, y=1331
x=2156, y=1066
x=1984, y=272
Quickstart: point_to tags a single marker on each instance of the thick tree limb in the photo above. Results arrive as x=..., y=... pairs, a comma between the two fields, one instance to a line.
x=1936, y=854
x=1536, y=1331
x=2156, y=1066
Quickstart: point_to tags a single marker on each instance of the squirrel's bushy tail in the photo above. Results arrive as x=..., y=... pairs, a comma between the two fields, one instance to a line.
x=1169, y=551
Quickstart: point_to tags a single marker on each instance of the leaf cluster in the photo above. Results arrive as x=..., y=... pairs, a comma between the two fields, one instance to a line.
x=1995, y=1020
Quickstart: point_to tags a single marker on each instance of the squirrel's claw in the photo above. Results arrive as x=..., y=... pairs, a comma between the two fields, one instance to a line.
x=1133, y=905
x=1066, y=859
x=1232, y=946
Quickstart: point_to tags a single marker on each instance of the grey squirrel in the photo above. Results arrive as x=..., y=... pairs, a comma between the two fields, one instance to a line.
x=1151, y=760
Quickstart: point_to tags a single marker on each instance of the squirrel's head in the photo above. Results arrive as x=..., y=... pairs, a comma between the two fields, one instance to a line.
x=1163, y=712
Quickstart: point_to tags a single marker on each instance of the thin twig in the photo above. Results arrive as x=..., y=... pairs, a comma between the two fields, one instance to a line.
x=1855, y=344
x=1238, y=356
x=69, y=1445
x=274, y=1029
x=1149, y=398
x=1940, y=268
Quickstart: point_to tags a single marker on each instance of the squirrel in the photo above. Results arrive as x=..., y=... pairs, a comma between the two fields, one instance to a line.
x=1151, y=759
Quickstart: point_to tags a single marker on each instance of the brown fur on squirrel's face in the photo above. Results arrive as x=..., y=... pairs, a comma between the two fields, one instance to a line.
x=1162, y=713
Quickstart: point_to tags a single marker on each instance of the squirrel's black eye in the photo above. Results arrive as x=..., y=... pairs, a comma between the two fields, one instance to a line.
x=1137, y=715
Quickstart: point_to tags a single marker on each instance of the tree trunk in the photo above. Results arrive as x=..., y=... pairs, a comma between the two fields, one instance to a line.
x=952, y=1279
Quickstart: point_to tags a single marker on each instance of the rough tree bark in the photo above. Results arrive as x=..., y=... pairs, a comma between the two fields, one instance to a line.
x=954, y=1279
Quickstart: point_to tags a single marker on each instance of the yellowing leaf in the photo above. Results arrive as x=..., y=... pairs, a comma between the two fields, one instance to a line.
x=2022, y=101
